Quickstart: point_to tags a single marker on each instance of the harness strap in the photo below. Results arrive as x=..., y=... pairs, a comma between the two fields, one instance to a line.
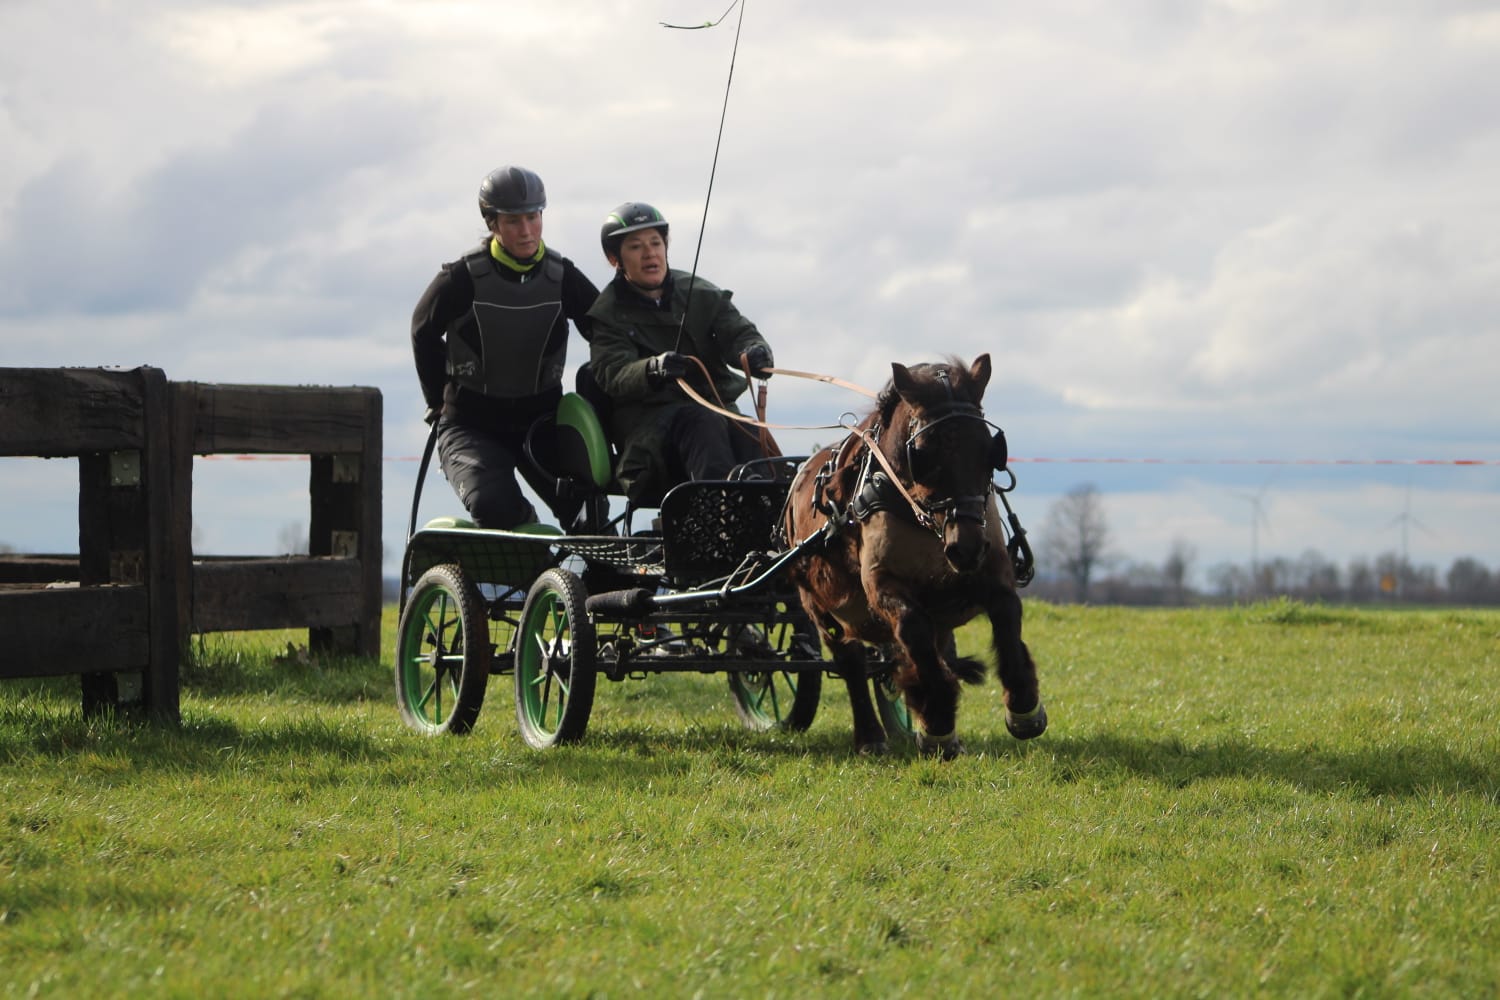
x=923, y=518
x=768, y=445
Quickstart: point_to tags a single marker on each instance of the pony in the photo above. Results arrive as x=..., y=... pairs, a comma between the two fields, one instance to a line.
x=912, y=547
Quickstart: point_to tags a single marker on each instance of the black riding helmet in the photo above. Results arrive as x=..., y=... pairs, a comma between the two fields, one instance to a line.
x=511, y=191
x=629, y=218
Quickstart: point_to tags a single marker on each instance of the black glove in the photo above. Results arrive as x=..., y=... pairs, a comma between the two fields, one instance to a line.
x=433, y=412
x=665, y=368
x=760, y=361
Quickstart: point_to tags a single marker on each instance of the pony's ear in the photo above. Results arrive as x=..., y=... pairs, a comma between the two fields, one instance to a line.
x=979, y=375
x=902, y=380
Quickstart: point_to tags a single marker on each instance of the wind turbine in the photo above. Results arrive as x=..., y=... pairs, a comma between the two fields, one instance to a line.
x=1406, y=520
x=1257, y=517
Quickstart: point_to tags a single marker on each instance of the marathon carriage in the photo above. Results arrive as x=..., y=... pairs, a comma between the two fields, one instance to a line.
x=704, y=588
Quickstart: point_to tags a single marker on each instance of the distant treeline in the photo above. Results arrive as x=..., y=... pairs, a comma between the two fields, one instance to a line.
x=1310, y=577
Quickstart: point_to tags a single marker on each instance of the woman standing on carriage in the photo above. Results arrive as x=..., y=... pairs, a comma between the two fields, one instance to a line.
x=490, y=336
x=647, y=323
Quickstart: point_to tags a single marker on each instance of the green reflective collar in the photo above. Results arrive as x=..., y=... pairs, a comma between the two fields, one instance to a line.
x=520, y=266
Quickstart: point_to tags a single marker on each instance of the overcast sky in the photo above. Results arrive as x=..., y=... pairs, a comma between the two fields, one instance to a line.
x=1220, y=231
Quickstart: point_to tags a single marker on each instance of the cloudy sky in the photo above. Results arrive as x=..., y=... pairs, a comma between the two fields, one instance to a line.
x=1254, y=241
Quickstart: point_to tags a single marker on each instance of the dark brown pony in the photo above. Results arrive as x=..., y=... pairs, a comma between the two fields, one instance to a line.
x=910, y=564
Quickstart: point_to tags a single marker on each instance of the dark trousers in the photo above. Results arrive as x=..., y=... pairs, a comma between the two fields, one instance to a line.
x=481, y=466
x=703, y=444
x=694, y=443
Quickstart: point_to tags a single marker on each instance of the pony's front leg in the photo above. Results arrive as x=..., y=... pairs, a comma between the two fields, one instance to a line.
x=931, y=689
x=1025, y=715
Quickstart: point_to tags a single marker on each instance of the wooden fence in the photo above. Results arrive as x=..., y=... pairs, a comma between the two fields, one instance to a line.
x=119, y=613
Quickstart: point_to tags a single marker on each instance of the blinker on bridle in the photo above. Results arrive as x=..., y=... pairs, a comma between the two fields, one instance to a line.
x=969, y=507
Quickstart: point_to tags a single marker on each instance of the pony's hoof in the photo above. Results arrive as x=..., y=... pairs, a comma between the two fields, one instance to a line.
x=1027, y=725
x=946, y=747
x=874, y=749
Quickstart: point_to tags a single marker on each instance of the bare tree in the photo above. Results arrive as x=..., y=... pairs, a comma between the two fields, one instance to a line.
x=1229, y=581
x=291, y=540
x=1178, y=566
x=1470, y=581
x=1077, y=535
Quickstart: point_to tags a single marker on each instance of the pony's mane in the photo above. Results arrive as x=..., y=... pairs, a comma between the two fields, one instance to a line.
x=930, y=387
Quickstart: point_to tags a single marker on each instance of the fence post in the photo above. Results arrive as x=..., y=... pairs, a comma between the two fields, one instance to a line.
x=344, y=490
x=125, y=539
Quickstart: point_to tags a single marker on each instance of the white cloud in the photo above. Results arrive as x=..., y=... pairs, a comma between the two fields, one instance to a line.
x=1216, y=229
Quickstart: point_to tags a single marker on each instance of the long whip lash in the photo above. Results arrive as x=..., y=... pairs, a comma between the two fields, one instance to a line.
x=713, y=169
x=705, y=24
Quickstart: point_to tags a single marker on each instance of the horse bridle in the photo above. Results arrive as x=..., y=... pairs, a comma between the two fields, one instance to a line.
x=967, y=507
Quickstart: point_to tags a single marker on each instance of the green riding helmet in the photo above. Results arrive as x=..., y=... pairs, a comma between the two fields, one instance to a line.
x=629, y=218
x=511, y=191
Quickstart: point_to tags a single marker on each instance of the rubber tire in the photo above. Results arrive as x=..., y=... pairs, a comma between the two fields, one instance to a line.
x=777, y=699
x=554, y=662
x=442, y=653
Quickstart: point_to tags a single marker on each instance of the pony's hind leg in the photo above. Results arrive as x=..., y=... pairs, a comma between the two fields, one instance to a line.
x=849, y=663
x=1025, y=715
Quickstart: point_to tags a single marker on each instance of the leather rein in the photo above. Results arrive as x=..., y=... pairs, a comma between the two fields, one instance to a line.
x=868, y=491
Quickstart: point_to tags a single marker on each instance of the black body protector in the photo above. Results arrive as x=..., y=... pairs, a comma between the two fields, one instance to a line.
x=502, y=347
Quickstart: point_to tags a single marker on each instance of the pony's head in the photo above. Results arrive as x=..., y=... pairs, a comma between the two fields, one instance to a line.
x=944, y=447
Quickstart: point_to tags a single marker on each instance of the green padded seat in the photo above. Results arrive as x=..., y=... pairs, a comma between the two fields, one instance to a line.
x=584, y=452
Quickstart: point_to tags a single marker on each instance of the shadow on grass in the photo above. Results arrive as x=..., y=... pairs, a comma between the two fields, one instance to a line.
x=36, y=724
x=330, y=679
x=1404, y=771
x=40, y=725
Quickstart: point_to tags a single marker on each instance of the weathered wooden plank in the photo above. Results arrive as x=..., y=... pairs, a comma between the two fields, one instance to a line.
x=57, y=412
x=279, y=420
x=18, y=568
x=244, y=595
x=162, y=691
x=73, y=630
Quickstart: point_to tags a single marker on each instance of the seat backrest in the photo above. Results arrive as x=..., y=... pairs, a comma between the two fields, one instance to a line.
x=583, y=450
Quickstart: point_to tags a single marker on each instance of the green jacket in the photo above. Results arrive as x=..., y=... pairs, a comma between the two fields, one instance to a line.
x=628, y=330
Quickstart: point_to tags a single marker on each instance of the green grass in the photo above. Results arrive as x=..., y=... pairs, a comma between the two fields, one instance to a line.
x=1279, y=799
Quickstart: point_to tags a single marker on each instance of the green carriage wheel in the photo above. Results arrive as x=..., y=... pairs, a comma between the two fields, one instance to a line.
x=554, y=662
x=776, y=699
x=442, y=653
x=890, y=703
x=779, y=699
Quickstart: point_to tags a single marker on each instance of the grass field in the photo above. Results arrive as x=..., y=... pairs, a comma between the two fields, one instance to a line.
x=1280, y=800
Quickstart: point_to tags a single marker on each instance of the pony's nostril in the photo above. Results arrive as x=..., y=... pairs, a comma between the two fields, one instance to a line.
x=961, y=556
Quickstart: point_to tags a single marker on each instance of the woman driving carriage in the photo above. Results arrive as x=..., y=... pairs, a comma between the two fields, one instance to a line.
x=647, y=323
x=490, y=336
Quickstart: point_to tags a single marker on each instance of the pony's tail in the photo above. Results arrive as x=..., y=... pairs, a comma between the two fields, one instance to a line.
x=967, y=669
